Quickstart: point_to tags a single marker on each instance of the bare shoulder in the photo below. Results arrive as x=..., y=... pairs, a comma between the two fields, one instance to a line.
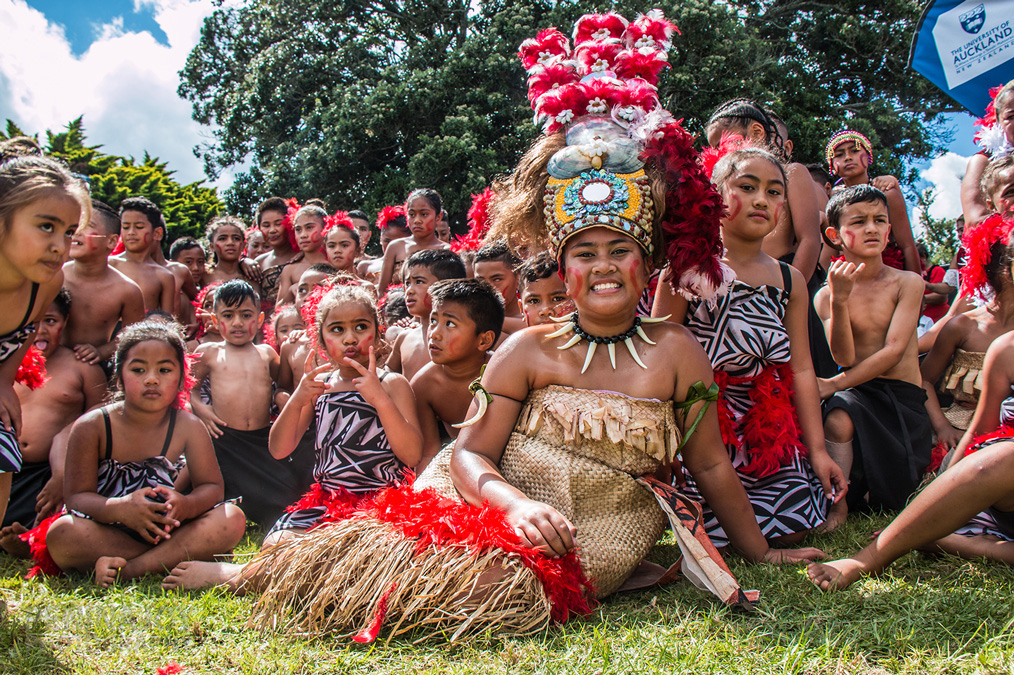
x=394, y=382
x=267, y=351
x=190, y=425
x=90, y=422
x=908, y=281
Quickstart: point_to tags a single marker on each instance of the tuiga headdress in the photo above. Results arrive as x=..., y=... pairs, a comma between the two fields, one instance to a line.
x=622, y=147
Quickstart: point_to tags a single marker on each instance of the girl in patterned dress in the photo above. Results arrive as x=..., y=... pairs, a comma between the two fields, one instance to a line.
x=756, y=338
x=41, y=205
x=127, y=514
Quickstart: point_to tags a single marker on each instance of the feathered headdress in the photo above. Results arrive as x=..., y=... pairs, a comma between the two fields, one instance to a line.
x=990, y=136
x=478, y=223
x=729, y=143
x=603, y=93
x=978, y=242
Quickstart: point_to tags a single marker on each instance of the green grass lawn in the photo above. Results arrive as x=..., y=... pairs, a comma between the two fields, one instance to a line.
x=926, y=615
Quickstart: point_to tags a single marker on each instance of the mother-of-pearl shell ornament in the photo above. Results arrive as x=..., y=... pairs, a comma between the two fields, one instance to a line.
x=596, y=143
x=571, y=325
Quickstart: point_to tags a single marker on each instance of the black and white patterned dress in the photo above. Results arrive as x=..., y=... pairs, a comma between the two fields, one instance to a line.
x=353, y=455
x=743, y=334
x=993, y=522
x=10, y=449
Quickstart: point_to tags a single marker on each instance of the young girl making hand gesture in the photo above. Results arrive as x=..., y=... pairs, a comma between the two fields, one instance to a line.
x=757, y=340
x=366, y=428
x=126, y=513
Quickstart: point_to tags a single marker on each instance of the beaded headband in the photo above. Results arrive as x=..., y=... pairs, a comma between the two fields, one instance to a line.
x=847, y=136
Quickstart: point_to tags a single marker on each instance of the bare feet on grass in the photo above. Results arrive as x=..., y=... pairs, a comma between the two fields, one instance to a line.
x=835, y=575
x=107, y=569
x=10, y=541
x=836, y=516
x=192, y=575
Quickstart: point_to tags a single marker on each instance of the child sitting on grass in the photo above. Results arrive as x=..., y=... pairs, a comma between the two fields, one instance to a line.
x=363, y=421
x=125, y=514
x=968, y=510
x=876, y=408
x=422, y=269
x=543, y=294
x=465, y=323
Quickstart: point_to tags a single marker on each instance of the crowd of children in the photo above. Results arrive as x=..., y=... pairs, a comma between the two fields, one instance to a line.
x=773, y=370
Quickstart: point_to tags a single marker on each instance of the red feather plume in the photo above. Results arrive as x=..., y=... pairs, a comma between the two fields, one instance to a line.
x=599, y=27
x=644, y=64
x=651, y=26
x=389, y=213
x=292, y=206
x=595, y=57
x=977, y=242
x=32, y=369
x=693, y=211
x=710, y=156
x=545, y=78
x=478, y=223
x=119, y=248
x=338, y=218
x=545, y=46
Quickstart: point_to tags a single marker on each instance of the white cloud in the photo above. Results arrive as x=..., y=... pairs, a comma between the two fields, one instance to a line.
x=124, y=83
x=944, y=174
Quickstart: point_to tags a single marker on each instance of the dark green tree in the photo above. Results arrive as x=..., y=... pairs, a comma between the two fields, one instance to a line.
x=939, y=234
x=358, y=101
x=111, y=179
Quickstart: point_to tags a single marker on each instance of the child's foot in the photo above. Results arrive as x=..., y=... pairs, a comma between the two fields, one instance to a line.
x=10, y=541
x=835, y=575
x=836, y=516
x=192, y=575
x=107, y=568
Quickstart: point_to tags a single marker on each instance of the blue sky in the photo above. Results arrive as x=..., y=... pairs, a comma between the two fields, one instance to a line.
x=80, y=19
x=130, y=104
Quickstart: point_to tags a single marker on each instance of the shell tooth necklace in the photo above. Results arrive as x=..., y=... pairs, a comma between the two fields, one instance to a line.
x=571, y=325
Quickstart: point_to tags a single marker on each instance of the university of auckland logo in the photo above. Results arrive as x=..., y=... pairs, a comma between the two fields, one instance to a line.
x=973, y=20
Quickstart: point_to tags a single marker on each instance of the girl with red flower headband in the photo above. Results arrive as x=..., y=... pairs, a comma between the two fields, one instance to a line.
x=308, y=227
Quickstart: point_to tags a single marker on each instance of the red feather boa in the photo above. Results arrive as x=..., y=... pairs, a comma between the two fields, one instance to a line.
x=691, y=224
x=977, y=242
x=478, y=223
x=769, y=433
x=36, y=539
x=978, y=442
x=431, y=519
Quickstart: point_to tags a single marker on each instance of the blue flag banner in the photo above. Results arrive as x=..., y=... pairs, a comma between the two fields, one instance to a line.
x=965, y=47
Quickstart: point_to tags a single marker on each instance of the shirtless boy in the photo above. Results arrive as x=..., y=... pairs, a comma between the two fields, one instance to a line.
x=73, y=387
x=103, y=296
x=543, y=293
x=465, y=323
x=141, y=227
x=496, y=263
x=849, y=155
x=422, y=269
x=875, y=419
x=188, y=252
x=239, y=416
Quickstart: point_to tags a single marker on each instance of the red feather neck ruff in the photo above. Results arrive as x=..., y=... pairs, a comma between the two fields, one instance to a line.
x=769, y=433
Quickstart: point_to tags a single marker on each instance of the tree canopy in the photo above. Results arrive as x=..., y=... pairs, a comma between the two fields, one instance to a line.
x=187, y=208
x=358, y=101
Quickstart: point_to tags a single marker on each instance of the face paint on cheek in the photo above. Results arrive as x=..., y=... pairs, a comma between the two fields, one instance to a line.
x=576, y=280
x=849, y=239
x=735, y=206
x=777, y=213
